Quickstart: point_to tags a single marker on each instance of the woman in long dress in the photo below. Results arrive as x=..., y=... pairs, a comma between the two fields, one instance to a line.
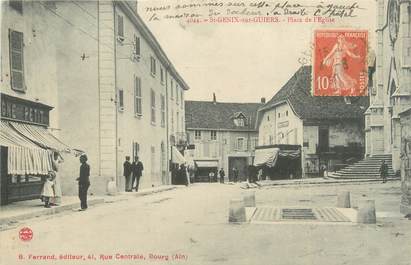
x=56, y=160
x=340, y=80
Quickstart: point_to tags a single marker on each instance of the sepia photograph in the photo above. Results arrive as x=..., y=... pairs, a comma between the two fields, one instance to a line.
x=235, y=132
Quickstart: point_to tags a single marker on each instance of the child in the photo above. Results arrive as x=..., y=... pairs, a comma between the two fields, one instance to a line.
x=48, y=189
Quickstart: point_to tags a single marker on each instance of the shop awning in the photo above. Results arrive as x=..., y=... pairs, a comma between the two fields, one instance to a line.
x=40, y=136
x=266, y=157
x=177, y=157
x=206, y=163
x=23, y=156
x=10, y=137
x=290, y=153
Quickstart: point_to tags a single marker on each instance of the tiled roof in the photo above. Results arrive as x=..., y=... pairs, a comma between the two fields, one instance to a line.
x=219, y=115
x=297, y=92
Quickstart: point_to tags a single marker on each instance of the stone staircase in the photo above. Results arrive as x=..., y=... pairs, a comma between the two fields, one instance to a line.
x=368, y=168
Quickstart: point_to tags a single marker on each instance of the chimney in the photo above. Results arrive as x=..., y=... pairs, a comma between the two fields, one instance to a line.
x=214, y=99
x=263, y=100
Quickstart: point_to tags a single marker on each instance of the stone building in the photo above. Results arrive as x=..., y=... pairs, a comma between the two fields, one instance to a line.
x=101, y=82
x=221, y=135
x=390, y=85
x=311, y=133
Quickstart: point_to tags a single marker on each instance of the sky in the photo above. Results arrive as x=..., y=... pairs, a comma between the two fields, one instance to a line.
x=242, y=62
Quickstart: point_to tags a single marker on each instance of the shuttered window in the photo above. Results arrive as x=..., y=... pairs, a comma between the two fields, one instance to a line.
x=177, y=94
x=163, y=111
x=120, y=100
x=153, y=106
x=172, y=88
x=16, y=60
x=138, y=110
x=137, y=45
x=136, y=149
x=153, y=66
x=120, y=27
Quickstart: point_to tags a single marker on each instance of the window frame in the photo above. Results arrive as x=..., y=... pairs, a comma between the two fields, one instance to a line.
x=120, y=99
x=19, y=52
x=172, y=88
x=162, y=75
x=213, y=135
x=153, y=106
x=197, y=135
x=137, y=47
x=163, y=110
x=177, y=100
x=240, y=148
x=138, y=97
x=153, y=66
x=120, y=28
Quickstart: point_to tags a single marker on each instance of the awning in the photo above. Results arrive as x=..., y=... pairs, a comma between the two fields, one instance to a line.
x=23, y=156
x=40, y=136
x=290, y=153
x=176, y=156
x=206, y=163
x=266, y=157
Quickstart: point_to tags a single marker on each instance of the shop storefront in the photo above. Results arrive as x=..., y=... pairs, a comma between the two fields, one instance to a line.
x=204, y=168
x=278, y=161
x=27, y=148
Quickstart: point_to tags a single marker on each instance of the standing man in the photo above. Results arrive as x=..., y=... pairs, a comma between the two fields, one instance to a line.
x=384, y=171
x=137, y=168
x=127, y=174
x=222, y=175
x=83, y=182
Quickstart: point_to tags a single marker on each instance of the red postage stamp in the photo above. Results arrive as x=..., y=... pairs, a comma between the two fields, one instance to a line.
x=340, y=66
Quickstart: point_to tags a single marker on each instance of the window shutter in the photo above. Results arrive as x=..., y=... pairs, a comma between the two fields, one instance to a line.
x=120, y=26
x=16, y=60
x=137, y=45
x=121, y=99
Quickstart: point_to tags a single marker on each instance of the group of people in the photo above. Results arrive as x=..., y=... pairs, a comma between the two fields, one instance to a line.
x=252, y=174
x=51, y=193
x=132, y=173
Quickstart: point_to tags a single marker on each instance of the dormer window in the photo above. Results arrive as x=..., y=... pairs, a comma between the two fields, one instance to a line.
x=240, y=122
x=239, y=119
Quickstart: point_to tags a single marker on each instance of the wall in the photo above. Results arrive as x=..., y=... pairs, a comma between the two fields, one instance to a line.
x=393, y=78
x=224, y=147
x=280, y=125
x=140, y=128
x=53, y=48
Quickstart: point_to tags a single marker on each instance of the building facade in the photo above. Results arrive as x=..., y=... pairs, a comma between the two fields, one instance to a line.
x=221, y=135
x=390, y=90
x=326, y=130
x=105, y=79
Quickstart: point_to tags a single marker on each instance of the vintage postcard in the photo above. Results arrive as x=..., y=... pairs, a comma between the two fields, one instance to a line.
x=205, y=132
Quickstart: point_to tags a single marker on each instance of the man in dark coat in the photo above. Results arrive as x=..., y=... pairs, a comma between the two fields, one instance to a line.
x=83, y=182
x=127, y=174
x=137, y=168
x=384, y=171
x=222, y=175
